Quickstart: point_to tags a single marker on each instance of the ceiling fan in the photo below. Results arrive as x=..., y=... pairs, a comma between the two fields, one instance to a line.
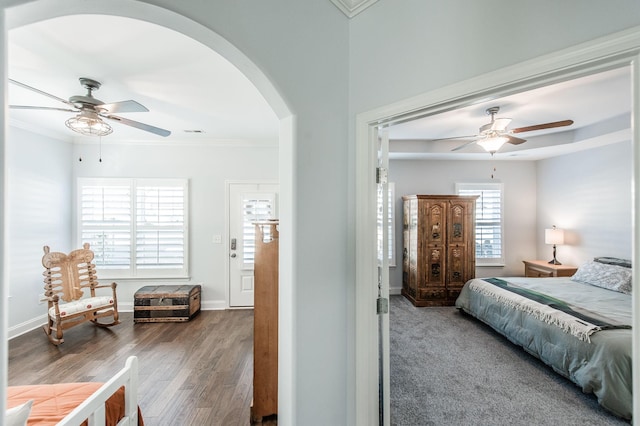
x=494, y=134
x=90, y=111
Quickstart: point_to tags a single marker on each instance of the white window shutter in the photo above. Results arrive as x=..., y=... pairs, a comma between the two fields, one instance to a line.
x=137, y=228
x=105, y=223
x=160, y=227
x=489, y=238
x=255, y=207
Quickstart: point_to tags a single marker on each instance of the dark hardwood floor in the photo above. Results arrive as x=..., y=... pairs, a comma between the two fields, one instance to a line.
x=193, y=373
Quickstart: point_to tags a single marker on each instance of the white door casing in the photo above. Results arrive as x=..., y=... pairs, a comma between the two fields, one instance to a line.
x=247, y=202
x=382, y=307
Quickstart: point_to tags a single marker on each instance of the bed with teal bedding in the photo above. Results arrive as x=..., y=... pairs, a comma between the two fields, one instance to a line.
x=581, y=330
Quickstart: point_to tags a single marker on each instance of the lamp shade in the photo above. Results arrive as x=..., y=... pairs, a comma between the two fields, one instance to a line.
x=554, y=236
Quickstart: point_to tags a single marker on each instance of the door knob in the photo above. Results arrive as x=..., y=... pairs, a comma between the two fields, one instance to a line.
x=233, y=255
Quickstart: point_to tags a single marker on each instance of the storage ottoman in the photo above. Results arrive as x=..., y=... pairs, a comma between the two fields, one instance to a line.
x=166, y=303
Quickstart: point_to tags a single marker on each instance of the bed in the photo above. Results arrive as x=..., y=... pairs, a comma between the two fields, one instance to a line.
x=580, y=325
x=87, y=403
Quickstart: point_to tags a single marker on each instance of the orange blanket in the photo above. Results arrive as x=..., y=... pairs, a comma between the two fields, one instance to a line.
x=51, y=403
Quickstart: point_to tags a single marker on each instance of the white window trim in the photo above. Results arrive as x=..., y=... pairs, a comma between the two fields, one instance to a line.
x=480, y=261
x=133, y=273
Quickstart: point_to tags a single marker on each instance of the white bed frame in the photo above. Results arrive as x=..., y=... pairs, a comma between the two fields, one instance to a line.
x=93, y=408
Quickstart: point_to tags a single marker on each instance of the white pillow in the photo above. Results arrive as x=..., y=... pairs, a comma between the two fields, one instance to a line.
x=17, y=416
x=612, y=277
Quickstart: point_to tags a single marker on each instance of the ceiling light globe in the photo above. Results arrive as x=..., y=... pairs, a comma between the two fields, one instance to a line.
x=492, y=144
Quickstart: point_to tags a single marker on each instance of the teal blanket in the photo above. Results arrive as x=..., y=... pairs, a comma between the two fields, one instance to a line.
x=585, y=315
x=601, y=366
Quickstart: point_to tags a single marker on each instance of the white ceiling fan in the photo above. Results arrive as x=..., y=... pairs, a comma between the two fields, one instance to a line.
x=494, y=134
x=91, y=111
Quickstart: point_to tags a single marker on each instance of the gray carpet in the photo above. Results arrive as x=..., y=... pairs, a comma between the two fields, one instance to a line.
x=448, y=368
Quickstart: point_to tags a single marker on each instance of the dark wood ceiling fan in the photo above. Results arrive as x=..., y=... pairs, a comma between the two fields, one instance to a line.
x=494, y=134
x=90, y=111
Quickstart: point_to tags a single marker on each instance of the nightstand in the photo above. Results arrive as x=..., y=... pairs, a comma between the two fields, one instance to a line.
x=543, y=269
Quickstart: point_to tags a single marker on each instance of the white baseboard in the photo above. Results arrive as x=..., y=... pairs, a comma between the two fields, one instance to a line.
x=20, y=329
x=32, y=324
x=214, y=305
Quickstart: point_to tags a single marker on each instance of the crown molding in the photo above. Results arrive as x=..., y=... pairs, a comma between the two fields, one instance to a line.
x=352, y=7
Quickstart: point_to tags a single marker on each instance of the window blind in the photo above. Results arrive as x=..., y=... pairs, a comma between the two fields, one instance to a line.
x=391, y=217
x=137, y=228
x=255, y=207
x=489, y=220
x=105, y=223
x=160, y=227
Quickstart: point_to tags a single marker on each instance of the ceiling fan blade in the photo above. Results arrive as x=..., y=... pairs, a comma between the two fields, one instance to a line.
x=500, y=124
x=146, y=127
x=25, y=86
x=543, y=126
x=453, y=137
x=42, y=108
x=514, y=140
x=122, y=106
x=464, y=145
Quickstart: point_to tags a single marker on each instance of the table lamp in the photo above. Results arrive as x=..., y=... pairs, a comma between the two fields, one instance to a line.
x=554, y=236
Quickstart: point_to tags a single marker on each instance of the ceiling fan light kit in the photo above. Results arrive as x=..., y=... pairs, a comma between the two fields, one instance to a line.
x=89, y=123
x=493, y=143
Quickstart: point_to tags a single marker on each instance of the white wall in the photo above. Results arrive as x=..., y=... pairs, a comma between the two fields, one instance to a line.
x=399, y=49
x=38, y=213
x=440, y=177
x=588, y=194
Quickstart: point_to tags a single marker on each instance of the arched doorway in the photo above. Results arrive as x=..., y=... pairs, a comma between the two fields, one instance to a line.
x=19, y=15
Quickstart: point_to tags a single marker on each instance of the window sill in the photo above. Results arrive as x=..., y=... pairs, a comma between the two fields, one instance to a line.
x=490, y=265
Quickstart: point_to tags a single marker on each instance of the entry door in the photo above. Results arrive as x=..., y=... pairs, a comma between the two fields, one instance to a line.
x=248, y=203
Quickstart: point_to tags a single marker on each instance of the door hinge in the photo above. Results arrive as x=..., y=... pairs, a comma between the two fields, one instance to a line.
x=382, y=306
x=381, y=175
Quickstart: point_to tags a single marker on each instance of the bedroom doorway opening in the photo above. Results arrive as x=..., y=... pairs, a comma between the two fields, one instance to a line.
x=30, y=12
x=599, y=55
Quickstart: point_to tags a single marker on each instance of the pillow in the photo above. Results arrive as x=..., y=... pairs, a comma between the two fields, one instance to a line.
x=611, y=277
x=613, y=261
x=17, y=416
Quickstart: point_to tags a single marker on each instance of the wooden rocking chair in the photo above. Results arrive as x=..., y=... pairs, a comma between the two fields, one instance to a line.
x=65, y=278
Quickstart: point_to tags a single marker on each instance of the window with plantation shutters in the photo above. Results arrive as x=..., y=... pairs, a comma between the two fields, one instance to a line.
x=137, y=228
x=160, y=226
x=489, y=221
x=255, y=207
x=391, y=216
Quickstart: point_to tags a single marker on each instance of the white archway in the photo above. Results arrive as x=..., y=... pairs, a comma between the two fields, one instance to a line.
x=23, y=14
x=604, y=53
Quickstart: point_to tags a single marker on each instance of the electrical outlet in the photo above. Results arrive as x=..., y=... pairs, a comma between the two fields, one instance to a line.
x=217, y=239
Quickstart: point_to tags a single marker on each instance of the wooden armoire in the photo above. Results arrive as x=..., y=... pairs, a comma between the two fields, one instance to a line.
x=438, y=247
x=265, y=323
